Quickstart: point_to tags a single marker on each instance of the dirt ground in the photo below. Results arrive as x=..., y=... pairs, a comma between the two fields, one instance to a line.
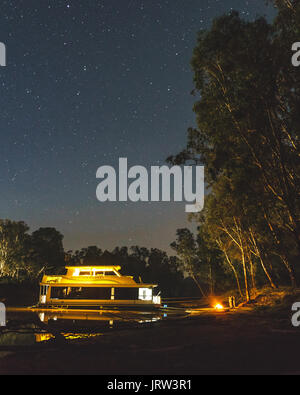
x=245, y=342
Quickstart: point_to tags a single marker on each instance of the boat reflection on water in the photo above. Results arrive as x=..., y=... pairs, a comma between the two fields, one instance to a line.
x=94, y=317
x=44, y=337
x=74, y=325
x=26, y=326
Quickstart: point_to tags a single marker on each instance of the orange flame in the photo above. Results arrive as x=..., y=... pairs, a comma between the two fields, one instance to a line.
x=219, y=307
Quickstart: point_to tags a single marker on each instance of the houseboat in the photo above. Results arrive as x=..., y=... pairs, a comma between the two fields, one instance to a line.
x=95, y=287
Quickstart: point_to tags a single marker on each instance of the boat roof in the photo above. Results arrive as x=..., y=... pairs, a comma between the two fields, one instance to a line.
x=98, y=267
x=73, y=278
x=109, y=281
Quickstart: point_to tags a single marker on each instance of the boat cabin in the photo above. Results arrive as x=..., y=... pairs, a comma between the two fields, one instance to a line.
x=84, y=286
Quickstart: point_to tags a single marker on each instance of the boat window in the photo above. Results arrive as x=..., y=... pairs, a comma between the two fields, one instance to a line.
x=84, y=273
x=145, y=294
x=44, y=289
x=58, y=292
x=105, y=273
x=126, y=293
x=98, y=293
x=99, y=274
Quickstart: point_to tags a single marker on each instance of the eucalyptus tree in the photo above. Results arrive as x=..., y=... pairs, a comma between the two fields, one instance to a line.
x=247, y=134
x=13, y=237
x=201, y=259
x=186, y=249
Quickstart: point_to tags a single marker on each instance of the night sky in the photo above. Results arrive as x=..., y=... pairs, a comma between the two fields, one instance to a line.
x=87, y=82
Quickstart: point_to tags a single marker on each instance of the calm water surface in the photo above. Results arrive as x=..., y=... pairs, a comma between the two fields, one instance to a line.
x=27, y=328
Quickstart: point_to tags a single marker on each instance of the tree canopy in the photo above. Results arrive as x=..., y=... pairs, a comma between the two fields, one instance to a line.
x=247, y=136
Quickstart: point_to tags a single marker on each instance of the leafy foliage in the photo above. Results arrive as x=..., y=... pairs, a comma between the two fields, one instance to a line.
x=247, y=135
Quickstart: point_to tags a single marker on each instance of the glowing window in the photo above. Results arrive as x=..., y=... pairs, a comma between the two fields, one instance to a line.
x=99, y=273
x=84, y=273
x=105, y=273
x=145, y=294
x=44, y=290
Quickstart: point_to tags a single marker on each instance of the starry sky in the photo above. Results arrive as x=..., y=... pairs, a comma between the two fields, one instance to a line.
x=88, y=82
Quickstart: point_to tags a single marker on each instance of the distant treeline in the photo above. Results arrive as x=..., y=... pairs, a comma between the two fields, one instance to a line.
x=25, y=257
x=197, y=270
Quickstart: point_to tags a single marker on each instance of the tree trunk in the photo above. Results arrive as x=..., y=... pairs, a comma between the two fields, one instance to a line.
x=282, y=254
x=211, y=280
x=223, y=249
x=272, y=282
x=252, y=272
x=291, y=272
x=198, y=285
x=260, y=254
x=247, y=290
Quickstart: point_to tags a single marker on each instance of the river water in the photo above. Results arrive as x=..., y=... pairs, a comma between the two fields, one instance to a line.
x=26, y=327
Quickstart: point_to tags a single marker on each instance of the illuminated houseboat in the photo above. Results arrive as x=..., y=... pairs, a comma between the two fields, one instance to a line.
x=95, y=286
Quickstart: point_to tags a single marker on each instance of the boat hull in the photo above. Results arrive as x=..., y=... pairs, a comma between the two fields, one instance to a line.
x=99, y=304
x=98, y=307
